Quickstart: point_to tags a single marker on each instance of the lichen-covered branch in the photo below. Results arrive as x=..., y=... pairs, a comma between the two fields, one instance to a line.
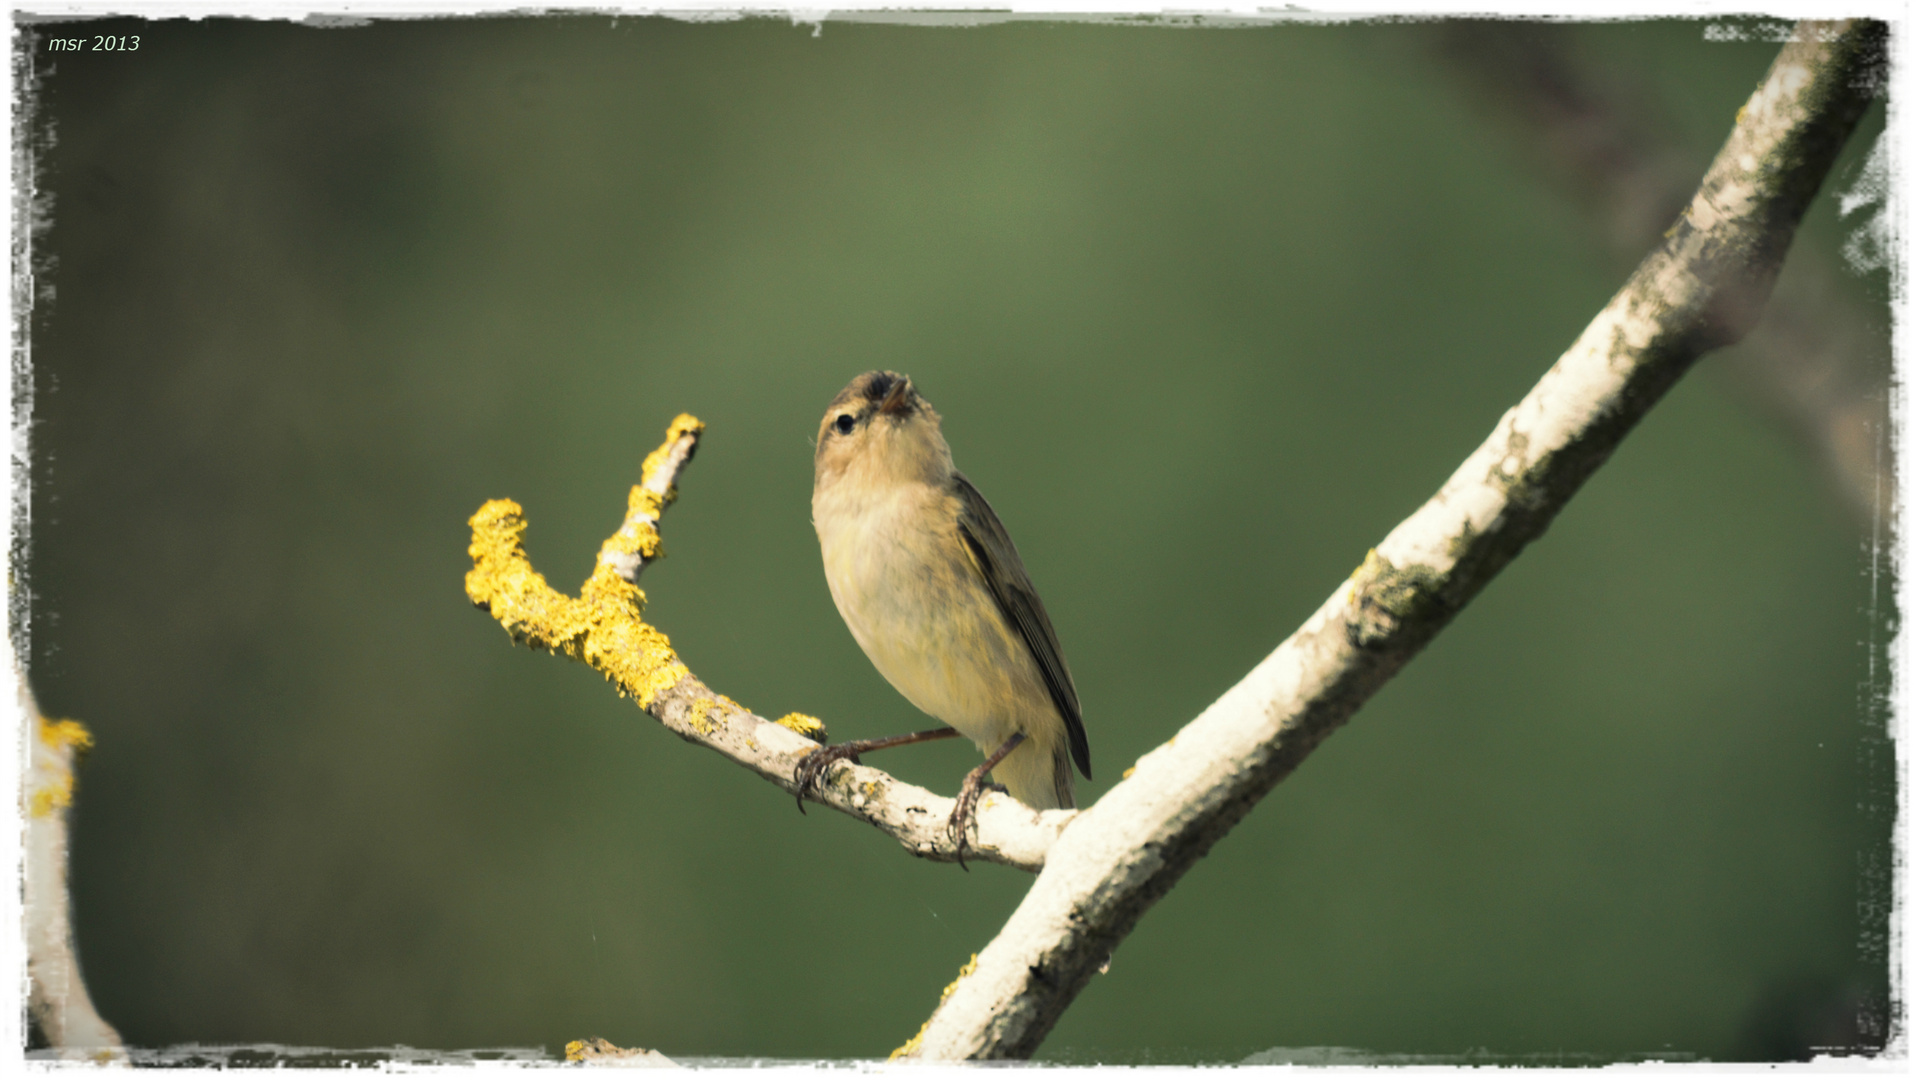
x=1701, y=289
x=604, y=628
x=601, y=1052
x=57, y=1000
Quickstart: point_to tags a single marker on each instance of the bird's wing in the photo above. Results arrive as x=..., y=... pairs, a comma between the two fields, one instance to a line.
x=1004, y=573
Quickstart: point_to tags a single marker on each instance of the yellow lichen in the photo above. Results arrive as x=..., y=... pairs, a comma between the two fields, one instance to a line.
x=645, y=501
x=682, y=424
x=59, y=736
x=697, y=718
x=55, y=796
x=632, y=653
x=1128, y=772
x=641, y=539
x=601, y=627
x=912, y=1044
x=599, y=1051
x=1371, y=563
x=809, y=726
x=503, y=582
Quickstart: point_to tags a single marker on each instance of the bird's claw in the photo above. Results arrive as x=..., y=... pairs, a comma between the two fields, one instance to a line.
x=964, y=820
x=812, y=767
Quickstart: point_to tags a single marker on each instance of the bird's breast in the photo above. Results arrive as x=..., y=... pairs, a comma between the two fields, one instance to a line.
x=907, y=589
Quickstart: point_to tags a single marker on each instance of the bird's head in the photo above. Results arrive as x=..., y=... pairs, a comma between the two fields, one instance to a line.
x=879, y=431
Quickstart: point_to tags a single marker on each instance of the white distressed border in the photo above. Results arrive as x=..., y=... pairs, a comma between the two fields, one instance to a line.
x=1888, y=554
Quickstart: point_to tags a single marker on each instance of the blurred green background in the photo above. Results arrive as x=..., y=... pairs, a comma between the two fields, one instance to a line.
x=1207, y=311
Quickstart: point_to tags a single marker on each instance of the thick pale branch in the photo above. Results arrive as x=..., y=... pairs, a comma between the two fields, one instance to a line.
x=57, y=998
x=1702, y=289
x=1815, y=367
x=604, y=628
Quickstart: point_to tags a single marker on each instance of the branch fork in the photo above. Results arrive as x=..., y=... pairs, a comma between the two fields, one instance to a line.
x=604, y=628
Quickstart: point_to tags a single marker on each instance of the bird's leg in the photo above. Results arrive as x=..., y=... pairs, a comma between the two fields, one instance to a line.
x=811, y=767
x=964, y=815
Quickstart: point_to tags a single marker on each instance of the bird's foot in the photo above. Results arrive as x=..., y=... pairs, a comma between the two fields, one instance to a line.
x=964, y=816
x=812, y=767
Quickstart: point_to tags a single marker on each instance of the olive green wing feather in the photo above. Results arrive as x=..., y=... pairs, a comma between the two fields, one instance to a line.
x=997, y=561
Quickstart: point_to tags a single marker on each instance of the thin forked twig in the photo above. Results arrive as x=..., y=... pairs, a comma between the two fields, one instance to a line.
x=604, y=627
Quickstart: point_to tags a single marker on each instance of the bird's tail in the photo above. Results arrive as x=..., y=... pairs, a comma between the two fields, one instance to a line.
x=1038, y=776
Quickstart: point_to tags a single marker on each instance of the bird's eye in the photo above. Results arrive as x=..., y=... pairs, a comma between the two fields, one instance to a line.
x=845, y=423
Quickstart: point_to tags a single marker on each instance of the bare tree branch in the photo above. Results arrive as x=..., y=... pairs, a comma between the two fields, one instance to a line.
x=56, y=994
x=604, y=628
x=1819, y=364
x=1701, y=290
x=601, y=1052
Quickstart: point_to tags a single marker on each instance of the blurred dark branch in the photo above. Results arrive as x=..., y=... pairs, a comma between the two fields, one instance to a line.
x=1702, y=288
x=57, y=1001
x=1818, y=365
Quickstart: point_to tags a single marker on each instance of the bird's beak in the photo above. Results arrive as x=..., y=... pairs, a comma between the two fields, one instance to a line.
x=898, y=401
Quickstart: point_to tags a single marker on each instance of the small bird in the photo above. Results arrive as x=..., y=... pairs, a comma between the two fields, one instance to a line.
x=932, y=589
